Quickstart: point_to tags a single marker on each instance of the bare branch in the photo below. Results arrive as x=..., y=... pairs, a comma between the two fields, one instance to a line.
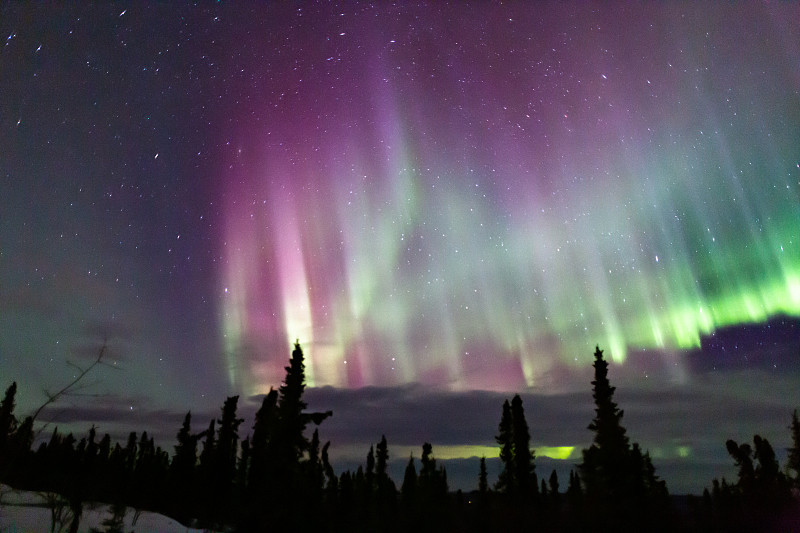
x=51, y=398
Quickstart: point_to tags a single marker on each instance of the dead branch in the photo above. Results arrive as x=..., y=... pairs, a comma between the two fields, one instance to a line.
x=51, y=398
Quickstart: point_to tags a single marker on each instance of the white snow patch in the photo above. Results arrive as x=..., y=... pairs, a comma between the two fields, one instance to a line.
x=23, y=511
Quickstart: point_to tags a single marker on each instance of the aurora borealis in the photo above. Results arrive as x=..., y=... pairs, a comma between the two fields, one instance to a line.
x=433, y=198
x=468, y=206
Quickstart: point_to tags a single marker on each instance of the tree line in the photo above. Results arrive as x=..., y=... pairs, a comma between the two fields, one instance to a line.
x=277, y=476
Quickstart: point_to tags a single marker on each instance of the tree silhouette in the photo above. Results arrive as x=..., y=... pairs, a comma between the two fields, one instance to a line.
x=209, y=445
x=147, y=475
x=290, y=440
x=621, y=487
x=312, y=484
x=428, y=470
x=524, y=469
x=263, y=460
x=205, y=475
x=517, y=477
x=505, y=438
x=345, y=510
x=483, y=479
x=555, y=495
x=761, y=483
x=431, y=493
x=605, y=466
x=758, y=497
x=408, y=490
x=17, y=450
x=225, y=452
x=331, y=481
x=768, y=473
x=243, y=467
x=8, y=423
x=285, y=466
x=12, y=442
x=385, y=488
x=381, y=459
x=574, y=490
x=129, y=454
x=793, y=453
x=369, y=477
x=432, y=482
x=743, y=459
x=182, y=469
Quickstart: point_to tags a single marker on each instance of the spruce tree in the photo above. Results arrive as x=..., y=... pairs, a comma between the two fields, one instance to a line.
x=243, y=466
x=381, y=458
x=574, y=490
x=385, y=487
x=621, y=487
x=743, y=459
x=332, y=481
x=281, y=451
x=365, y=482
x=505, y=439
x=263, y=459
x=19, y=445
x=208, y=454
x=524, y=468
x=518, y=477
x=313, y=474
x=770, y=479
x=15, y=438
x=793, y=453
x=408, y=490
x=185, y=458
x=291, y=440
x=483, y=479
x=762, y=489
x=553, y=487
x=130, y=454
x=655, y=486
x=346, y=490
x=8, y=422
x=227, y=447
x=104, y=450
x=370, y=472
x=428, y=469
x=432, y=482
x=605, y=468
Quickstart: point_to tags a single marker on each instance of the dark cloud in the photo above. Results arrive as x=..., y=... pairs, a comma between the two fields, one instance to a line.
x=683, y=427
x=118, y=416
x=410, y=414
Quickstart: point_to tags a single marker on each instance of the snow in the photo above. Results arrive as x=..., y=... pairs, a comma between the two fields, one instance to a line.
x=23, y=512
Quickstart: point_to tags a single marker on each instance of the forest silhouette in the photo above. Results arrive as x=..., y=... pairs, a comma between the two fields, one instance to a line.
x=279, y=477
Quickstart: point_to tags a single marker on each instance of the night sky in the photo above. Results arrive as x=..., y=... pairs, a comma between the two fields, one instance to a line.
x=444, y=204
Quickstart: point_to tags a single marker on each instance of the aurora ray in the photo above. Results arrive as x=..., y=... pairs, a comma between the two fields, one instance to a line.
x=472, y=212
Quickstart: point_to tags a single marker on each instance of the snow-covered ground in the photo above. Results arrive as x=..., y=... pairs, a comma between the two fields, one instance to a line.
x=24, y=512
